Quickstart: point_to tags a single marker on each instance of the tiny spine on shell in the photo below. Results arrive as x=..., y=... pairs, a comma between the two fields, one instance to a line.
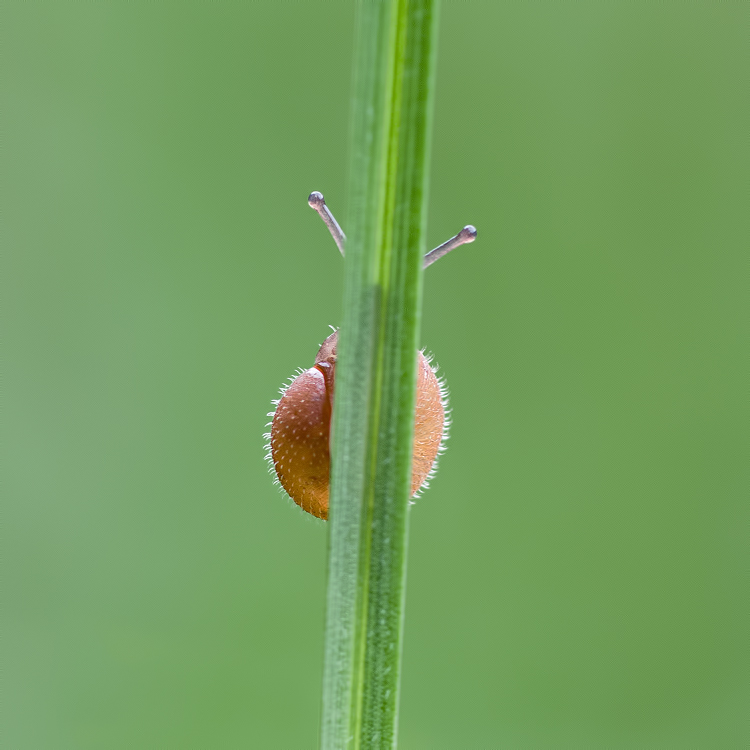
x=444, y=401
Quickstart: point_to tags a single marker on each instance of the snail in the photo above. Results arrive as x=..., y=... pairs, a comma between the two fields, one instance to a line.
x=298, y=447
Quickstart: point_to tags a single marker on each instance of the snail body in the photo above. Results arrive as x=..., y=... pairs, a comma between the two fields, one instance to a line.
x=298, y=447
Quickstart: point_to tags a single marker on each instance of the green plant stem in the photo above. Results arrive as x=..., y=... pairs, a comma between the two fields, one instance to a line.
x=376, y=372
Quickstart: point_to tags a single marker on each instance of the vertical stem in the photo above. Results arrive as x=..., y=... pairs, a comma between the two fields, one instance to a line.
x=376, y=372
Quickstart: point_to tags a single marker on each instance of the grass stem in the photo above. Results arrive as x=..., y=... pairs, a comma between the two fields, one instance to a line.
x=376, y=372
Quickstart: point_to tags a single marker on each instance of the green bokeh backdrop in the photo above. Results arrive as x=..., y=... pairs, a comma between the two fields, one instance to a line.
x=577, y=570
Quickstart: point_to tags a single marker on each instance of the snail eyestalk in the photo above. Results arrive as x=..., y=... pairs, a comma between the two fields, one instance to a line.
x=467, y=234
x=318, y=202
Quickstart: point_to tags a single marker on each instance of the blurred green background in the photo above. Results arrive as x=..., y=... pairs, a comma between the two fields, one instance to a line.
x=578, y=569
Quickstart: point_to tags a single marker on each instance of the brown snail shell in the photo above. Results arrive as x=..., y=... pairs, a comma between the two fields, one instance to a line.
x=301, y=429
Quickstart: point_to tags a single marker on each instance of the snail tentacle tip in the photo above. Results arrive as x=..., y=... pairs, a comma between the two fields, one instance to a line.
x=316, y=200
